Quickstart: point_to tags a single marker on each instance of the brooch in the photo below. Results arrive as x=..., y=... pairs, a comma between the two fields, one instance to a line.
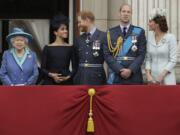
x=87, y=41
x=163, y=41
x=134, y=48
x=29, y=56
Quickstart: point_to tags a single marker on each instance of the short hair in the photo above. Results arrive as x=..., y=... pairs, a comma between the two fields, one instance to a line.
x=125, y=4
x=87, y=15
x=161, y=20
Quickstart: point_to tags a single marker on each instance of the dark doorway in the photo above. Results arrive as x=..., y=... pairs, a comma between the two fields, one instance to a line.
x=29, y=9
x=10, y=9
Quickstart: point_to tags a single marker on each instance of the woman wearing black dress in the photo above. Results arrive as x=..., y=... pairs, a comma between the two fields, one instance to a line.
x=56, y=57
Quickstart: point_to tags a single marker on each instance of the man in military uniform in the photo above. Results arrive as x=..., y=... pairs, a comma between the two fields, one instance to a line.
x=89, y=52
x=125, y=50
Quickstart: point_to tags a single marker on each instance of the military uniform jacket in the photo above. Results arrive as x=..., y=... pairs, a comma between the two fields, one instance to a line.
x=138, y=55
x=87, y=53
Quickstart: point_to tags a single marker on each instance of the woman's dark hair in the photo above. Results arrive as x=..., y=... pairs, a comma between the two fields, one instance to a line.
x=161, y=20
x=58, y=20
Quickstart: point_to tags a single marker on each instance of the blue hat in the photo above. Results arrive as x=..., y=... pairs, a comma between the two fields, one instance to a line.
x=18, y=32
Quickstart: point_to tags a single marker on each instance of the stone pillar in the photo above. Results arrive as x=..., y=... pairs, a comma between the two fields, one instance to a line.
x=100, y=10
x=71, y=27
x=113, y=12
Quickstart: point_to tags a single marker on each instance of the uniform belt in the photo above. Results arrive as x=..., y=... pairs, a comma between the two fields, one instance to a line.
x=125, y=58
x=90, y=65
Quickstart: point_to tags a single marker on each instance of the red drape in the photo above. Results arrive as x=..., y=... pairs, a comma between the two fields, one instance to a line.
x=63, y=110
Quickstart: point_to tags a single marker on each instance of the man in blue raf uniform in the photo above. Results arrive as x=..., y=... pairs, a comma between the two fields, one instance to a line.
x=125, y=50
x=89, y=52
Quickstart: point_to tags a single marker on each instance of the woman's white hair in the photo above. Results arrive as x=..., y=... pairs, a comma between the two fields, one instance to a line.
x=26, y=39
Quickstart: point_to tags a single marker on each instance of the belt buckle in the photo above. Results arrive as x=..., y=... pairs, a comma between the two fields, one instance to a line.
x=86, y=65
x=125, y=58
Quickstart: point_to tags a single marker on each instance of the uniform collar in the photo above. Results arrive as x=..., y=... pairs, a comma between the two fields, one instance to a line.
x=92, y=31
x=127, y=26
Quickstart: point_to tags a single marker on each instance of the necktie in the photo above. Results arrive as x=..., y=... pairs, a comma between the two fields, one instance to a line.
x=124, y=31
x=88, y=36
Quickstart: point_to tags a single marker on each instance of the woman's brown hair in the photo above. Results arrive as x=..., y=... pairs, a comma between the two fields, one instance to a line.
x=161, y=20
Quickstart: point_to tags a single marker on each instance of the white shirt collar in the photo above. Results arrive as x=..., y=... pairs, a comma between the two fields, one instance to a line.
x=92, y=31
x=125, y=26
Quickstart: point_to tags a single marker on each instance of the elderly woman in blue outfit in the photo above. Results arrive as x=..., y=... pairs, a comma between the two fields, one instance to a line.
x=19, y=64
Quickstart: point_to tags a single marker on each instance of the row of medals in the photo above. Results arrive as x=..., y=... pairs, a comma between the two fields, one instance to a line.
x=96, y=45
x=134, y=41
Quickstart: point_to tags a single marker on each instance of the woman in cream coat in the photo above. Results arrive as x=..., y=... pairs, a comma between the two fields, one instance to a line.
x=161, y=51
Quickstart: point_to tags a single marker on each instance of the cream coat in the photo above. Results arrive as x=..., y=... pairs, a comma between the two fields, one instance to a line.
x=162, y=56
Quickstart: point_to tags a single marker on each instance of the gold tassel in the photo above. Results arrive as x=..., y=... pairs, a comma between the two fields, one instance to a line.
x=90, y=123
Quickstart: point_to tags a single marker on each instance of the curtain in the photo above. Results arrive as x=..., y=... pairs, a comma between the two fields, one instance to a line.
x=63, y=110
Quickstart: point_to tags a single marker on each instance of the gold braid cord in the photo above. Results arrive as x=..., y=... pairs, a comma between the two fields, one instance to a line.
x=114, y=50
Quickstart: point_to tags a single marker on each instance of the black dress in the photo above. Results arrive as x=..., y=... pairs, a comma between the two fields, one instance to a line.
x=56, y=59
